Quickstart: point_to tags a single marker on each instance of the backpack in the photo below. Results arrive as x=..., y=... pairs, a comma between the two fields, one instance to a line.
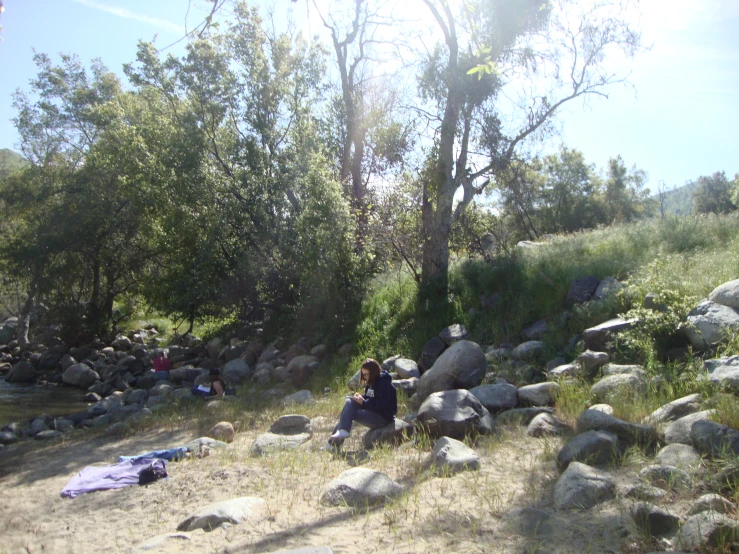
x=154, y=471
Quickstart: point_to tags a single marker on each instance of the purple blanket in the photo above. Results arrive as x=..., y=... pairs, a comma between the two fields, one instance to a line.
x=103, y=478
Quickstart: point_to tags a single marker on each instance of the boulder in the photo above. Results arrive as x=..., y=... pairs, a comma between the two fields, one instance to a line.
x=608, y=289
x=223, y=431
x=48, y=435
x=679, y=430
x=679, y=455
x=581, y=486
x=666, y=476
x=452, y=456
x=232, y=511
x=497, y=398
x=360, y=487
x=79, y=375
x=406, y=369
x=236, y=371
x=647, y=493
x=540, y=394
x=675, y=410
x=622, y=383
x=268, y=354
x=527, y=351
x=726, y=294
x=430, y=353
x=629, y=433
x=711, y=502
x=38, y=425
x=394, y=433
x=581, y=290
x=521, y=416
x=455, y=414
x=707, y=529
x=461, y=366
x=565, y=370
x=291, y=424
x=268, y=443
x=724, y=372
x=714, y=439
x=591, y=447
x=22, y=372
x=545, y=425
x=621, y=369
x=453, y=333
x=653, y=520
x=408, y=386
x=8, y=437
x=301, y=369
x=709, y=323
x=605, y=408
x=197, y=444
x=535, y=331
x=388, y=364
x=590, y=362
x=596, y=338
x=300, y=397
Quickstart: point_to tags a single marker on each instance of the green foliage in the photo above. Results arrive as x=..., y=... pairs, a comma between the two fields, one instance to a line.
x=715, y=194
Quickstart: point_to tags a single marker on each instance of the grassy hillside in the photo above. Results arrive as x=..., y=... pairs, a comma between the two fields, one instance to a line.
x=679, y=201
x=10, y=161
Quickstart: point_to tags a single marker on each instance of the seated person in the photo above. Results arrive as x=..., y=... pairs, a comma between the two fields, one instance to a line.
x=214, y=387
x=161, y=366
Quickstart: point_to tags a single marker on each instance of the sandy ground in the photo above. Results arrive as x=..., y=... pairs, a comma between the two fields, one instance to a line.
x=462, y=513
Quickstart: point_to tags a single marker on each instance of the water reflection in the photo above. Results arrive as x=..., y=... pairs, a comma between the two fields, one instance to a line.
x=19, y=402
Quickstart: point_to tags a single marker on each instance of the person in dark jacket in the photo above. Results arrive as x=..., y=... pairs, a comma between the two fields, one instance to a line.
x=375, y=408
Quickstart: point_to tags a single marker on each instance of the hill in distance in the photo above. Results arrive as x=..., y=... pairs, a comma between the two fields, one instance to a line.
x=679, y=200
x=10, y=161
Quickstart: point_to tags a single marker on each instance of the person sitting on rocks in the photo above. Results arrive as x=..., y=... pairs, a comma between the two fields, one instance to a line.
x=375, y=408
x=214, y=387
x=161, y=366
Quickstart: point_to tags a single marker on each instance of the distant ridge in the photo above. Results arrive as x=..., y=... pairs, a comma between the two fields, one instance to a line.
x=10, y=161
x=678, y=201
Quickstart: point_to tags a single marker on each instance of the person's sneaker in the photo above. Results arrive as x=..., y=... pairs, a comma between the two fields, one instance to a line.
x=341, y=434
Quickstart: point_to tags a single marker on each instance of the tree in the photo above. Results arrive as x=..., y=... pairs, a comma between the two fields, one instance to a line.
x=560, y=45
x=625, y=198
x=714, y=194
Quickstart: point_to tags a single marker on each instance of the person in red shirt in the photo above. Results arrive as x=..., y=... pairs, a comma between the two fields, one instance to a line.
x=161, y=366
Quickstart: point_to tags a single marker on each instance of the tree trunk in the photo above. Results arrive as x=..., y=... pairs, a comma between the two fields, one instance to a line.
x=24, y=321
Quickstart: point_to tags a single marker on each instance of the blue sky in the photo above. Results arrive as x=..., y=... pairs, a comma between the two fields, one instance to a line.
x=679, y=121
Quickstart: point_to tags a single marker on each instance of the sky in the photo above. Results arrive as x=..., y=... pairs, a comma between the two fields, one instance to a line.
x=677, y=121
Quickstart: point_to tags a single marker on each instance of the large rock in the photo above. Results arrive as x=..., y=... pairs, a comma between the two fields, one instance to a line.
x=709, y=323
x=581, y=486
x=222, y=431
x=724, y=372
x=521, y=416
x=406, y=369
x=541, y=394
x=590, y=362
x=232, y=511
x=291, y=424
x=675, y=410
x=80, y=375
x=236, y=372
x=360, y=487
x=626, y=431
x=461, y=366
x=527, y=351
x=545, y=425
x=666, y=476
x=565, y=370
x=408, y=386
x=452, y=456
x=679, y=430
x=453, y=333
x=591, y=447
x=497, y=398
x=714, y=439
x=301, y=368
x=707, y=529
x=711, y=502
x=455, y=414
x=430, y=353
x=653, y=520
x=726, y=294
x=22, y=372
x=596, y=338
x=392, y=434
x=622, y=383
x=679, y=455
x=608, y=289
x=300, y=397
x=581, y=290
x=269, y=442
x=620, y=369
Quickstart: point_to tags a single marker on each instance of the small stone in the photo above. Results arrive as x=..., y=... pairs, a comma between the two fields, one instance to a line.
x=223, y=431
x=654, y=520
x=452, y=456
x=712, y=502
x=360, y=487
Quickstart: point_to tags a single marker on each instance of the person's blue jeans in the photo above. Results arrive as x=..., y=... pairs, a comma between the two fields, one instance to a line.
x=161, y=375
x=352, y=412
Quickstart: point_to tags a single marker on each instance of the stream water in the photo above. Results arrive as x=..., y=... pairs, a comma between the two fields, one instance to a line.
x=19, y=402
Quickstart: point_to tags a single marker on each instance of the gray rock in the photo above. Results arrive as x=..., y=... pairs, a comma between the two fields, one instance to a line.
x=521, y=416
x=590, y=362
x=678, y=455
x=653, y=520
x=496, y=398
x=388, y=364
x=64, y=425
x=666, y=476
x=726, y=294
x=268, y=443
x=8, y=437
x=556, y=362
x=709, y=323
x=236, y=372
x=394, y=433
x=714, y=439
x=620, y=369
x=596, y=338
x=461, y=366
x=137, y=397
x=629, y=433
x=724, y=372
x=79, y=375
x=591, y=447
x=605, y=408
x=541, y=394
x=197, y=444
x=581, y=290
x=707, y=529
x=453, y=333
x=581, y=486
x=527, y=351
x=406, y=369
x=623, y=383
x=47, y=435
x=608, y=289
x=535, y=331
x=566, y=370
x=679, y=430
x=675, y=410
x=451, y=456
x=360, y=487
x=300, y=397
x=354, y=383
x=711, y=502
x=223, y=431
x=640, y=491
x=455, y=414
x=408, y=386
x=545, y=425
x=22, y=372
x=430, y=353
x=291, y=424
x=38, y=425
x=301, y=368
x=232, y=511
